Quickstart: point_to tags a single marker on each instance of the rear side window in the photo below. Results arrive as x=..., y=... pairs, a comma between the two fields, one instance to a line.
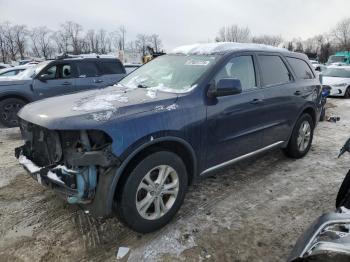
x=301, y=68
x=111, y=67
x=273, y=70
x=87, y=69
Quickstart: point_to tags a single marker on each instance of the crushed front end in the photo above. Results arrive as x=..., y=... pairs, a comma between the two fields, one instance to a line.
x=69, y=162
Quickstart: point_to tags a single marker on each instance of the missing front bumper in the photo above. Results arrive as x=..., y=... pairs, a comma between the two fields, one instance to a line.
x=76, y=186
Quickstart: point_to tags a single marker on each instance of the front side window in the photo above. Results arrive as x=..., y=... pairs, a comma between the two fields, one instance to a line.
x=170, y=73
x=59, y=71
x=241, y=68
x=273, y=70
x=301, y=68
x=51, y=72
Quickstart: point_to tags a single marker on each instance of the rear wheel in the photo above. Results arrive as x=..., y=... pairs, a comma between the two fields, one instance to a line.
x=9, y=108
x=301, y=139
x=323, y=114
x=153, y=192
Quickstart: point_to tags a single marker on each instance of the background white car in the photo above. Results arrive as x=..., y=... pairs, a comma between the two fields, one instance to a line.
x=338, y=78
x=12, y=71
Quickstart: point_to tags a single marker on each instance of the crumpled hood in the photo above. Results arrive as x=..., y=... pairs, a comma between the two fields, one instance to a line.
x=91, y=109
x=9, y=81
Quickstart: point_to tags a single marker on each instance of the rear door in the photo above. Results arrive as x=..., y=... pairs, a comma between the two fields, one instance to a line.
x=111, y=71
x=61, y=80
x=284, y=97
x=89, y=76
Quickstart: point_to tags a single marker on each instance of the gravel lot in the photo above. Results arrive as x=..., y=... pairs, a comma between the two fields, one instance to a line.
x=251, y=212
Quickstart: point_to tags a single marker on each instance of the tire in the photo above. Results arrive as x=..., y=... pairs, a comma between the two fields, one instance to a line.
x=129, y=207
x=294, y=150
x=323, y=114
x=347, y=92
x=9, y=108
x=343, y=196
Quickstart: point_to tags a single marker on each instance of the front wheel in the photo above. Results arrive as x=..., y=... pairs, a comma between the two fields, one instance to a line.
x=153, y=192
x=347, y=92
x=301, y=138
x=9, y=108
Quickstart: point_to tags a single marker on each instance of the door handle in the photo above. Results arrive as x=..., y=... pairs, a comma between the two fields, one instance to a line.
x=297, y=93
x=256, y=101
x=97, y=81
x=66, y=84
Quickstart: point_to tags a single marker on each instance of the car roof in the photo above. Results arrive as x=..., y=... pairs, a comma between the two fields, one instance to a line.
x=224, y=47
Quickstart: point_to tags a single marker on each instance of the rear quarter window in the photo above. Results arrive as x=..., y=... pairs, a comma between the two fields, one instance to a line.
x=111, y=67
x=300, y=68
x=273, y=70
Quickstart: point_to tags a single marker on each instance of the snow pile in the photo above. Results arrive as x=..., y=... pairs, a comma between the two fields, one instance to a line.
x=151, y=93
x=211, y=48
x=103, y=116
x=168, y=108
x=102, y=101
x=168, y=243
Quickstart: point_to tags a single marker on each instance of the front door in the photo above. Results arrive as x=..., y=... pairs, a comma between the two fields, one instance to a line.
x=60, y=81
x=234, y=126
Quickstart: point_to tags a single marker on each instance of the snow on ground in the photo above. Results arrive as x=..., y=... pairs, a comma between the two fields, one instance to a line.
x=253, y=211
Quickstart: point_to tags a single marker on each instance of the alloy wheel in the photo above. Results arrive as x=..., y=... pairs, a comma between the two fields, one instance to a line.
x=304, y=136
x=157, y=192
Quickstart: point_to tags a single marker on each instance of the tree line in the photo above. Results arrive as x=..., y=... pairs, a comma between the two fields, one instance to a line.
x=320, y=46
x=20, y=41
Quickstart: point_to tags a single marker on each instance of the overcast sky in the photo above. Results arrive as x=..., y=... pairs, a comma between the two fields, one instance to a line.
x=182, y=21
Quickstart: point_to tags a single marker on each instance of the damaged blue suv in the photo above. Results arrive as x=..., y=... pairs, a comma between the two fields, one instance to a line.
x=133, y=148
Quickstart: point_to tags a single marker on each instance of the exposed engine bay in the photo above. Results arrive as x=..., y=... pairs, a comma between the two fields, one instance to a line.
x=70, y=162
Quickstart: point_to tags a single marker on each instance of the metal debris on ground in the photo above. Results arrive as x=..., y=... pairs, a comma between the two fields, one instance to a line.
x=122, y=252
x=333, y=119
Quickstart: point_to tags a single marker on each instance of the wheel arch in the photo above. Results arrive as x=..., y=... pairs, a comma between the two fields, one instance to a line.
x=173, y=144
x=14, y=95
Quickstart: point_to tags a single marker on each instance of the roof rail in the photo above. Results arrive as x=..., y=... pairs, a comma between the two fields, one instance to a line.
x=93, y=55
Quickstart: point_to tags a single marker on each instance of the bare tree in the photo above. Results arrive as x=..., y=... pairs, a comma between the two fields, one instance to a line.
x=41, y=38
x=92, y=41
x=274, y=40
x=10, y=41
x=142, y=41
x=20, y=34
x=341, y=34
x=234, y=33
x=3, y=46
x=122, y=35
x=103, y=41
x=156, y=42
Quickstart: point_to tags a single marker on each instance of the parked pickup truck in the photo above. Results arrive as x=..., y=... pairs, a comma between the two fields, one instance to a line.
x=55, y=77
x=134, y=148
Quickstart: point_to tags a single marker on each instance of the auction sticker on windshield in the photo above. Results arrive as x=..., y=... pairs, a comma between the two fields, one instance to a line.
x=197, y=62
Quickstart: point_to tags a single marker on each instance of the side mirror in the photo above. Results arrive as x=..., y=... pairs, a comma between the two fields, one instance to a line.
x=44, y=77
x=226, y=87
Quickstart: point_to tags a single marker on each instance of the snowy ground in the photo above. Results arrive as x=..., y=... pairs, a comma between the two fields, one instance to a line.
x=251, y=212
